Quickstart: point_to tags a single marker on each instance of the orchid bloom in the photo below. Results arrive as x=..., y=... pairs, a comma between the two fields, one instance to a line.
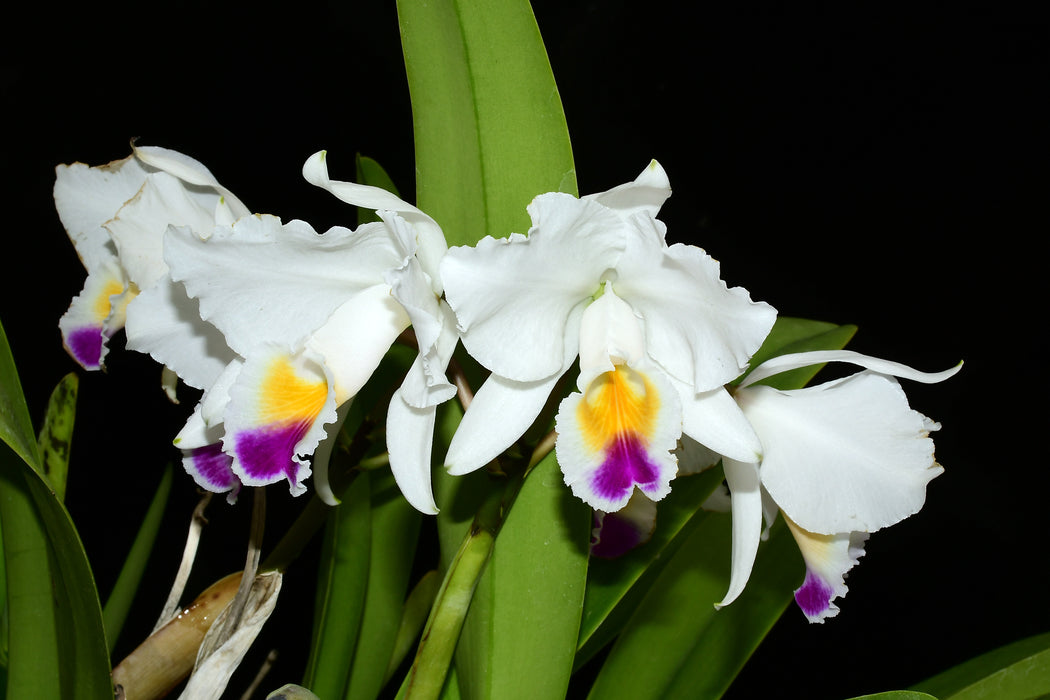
x=657, y=333
x=840, y=460
x=116, y=215
x=310, y=317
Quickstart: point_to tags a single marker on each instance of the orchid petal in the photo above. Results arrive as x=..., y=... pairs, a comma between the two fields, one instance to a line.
x=619, y=435
x=263, y=281
x=847, y=455
x=692, y=456
x=88, y=197
x=203, y=458
x=95, y=315
x=429, y=238
x=517, y=292
x=426, y=383
x=410, y=442
x=323, y=454
x=702, y=332
x=138, y=227
x=356, y=336
x=828, y=558
x=500, y=413
x=714, y=419
x=165, y=323
x=189, y=170
x=783, y=363
x=279, y=405
x=647, y=193
x=746, y=497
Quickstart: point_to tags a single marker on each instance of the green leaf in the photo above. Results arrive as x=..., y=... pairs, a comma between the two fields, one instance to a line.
x=613, y=584
x=56, y=435
x=413, y=618
x=341, y=584
x=1019, y=670
x=57, y=644
x=523, y=626
x=489, y=128
x=395, y=530
x=120, y=598
x=896, y=695
x=16, y=427
x=690, y=649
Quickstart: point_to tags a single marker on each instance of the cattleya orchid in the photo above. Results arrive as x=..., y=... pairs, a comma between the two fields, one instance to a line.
x=310, y=316
x=657, y=332
x=840, y=460
x=116, y=215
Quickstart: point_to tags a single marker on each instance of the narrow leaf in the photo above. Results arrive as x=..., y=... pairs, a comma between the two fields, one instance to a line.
x=1018, y=670
x=56, y=641
x=394, y=530
x=56, y=435
x=341, y=585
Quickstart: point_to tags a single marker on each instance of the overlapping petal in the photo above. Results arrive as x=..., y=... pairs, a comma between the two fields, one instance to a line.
x=828, y=559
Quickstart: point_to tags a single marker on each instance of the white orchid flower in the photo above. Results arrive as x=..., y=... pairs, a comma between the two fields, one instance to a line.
x=311, y=316
x=840, y=460
x=116, y=215
x=657, y=333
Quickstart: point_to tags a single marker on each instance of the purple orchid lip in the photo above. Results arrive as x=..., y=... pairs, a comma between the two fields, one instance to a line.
x=266, y=454
x=814, y=595
x=626, y=465
x=212, y=465
x=85, y=344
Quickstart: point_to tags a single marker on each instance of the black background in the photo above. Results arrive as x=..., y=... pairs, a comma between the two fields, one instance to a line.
x=871, y=165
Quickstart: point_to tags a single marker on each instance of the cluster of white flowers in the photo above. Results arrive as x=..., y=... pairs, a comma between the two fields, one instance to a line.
x=281, y=327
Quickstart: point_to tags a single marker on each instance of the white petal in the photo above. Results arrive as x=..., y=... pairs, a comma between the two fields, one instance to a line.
x=783, y=363
x=843, y=456
x=714, y=419
x=702, y=332
x=189, y=170
x=646, y=194
x=500, y=413
x=746, y=499
x=86, y=198
x=138, y=227
x=263, y=281
x=410, y=440
x=429, y=238
x=426, y=383
x=356, y=336
x=514, y=297
x=166, y=324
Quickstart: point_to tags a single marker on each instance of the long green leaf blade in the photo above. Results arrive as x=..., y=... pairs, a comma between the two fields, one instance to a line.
x=341, y=584
x=1014, y=672
x=395, y=530
x=56, y=644
x=489, y=128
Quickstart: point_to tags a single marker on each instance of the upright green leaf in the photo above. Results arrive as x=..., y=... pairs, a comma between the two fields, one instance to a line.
x=490, y=131
x=341, y=584
x=56, y=435
x=56, y=643
x=490, y=135
x=1016, y=671
x=395, y=530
